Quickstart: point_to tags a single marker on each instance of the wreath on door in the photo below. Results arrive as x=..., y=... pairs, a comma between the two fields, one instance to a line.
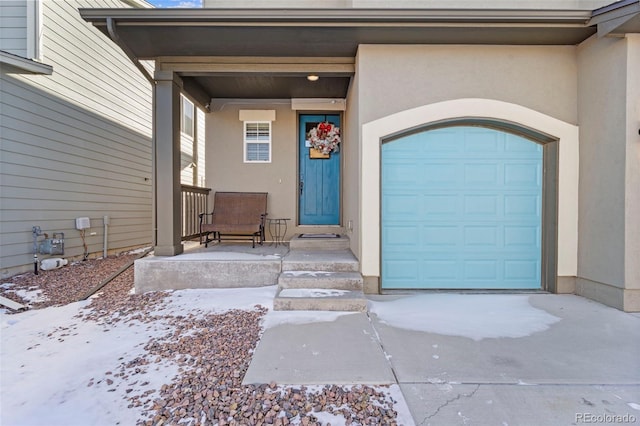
x=325, y=137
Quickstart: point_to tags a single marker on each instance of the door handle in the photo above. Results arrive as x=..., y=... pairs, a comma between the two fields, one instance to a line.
x=301, y=186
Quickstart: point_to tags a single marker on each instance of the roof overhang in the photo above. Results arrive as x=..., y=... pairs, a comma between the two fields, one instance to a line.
x=617, y=19
x=196, y=42
x=13, y=64
x=336, y=32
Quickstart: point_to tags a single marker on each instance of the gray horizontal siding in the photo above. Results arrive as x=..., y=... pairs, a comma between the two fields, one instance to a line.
x=76, y=143
x=13, y=27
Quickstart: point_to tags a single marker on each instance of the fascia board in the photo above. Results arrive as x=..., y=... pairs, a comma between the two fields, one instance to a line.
x=330, y=17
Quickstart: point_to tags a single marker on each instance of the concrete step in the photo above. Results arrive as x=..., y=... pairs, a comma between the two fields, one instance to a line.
x=319, y=299
x=320, y=260
x=321, y=279
x=319, y=243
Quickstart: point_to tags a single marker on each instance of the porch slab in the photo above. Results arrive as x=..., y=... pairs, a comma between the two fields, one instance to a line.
x=218, y=266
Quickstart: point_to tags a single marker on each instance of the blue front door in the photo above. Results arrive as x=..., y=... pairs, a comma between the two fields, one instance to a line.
x=319, y=179
x=461, y=209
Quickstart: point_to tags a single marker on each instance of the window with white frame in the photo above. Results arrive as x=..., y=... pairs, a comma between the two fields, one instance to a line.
x=186, y=117
x=257, y=141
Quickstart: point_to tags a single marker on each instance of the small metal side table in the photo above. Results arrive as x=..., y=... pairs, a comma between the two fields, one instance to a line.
x=278, y=229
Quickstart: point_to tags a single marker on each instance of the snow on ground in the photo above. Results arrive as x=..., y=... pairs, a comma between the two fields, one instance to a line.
x=220, y=300
x=476, y=316
x=312, y=292
x=54, y=363
x=31, y=295
x=308, y=273
x=60, y=369
x=48, y=359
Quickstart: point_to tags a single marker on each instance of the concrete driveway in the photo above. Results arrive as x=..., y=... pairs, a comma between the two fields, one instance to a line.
x=472, y=359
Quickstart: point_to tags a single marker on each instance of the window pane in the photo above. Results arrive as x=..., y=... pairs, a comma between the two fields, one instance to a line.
x=186, y=124
x=257, y=131
x=257, y=152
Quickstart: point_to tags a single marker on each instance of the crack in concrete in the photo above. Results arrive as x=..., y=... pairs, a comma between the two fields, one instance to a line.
x=449, y=401
x=384, y=351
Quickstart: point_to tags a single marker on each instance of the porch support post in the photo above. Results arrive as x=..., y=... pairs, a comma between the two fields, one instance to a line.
x=167, y=137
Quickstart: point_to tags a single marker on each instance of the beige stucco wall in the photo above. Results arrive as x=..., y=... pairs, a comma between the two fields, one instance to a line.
x=351, y=152
x=542, y=78
x=535, y=87
x=226, y=170
x=602, y=87
x=632, y=171
x=609, y=97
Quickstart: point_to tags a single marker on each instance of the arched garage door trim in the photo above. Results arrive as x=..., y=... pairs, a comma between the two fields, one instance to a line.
x=501, y=125
x=566, y=135
x=548, y=212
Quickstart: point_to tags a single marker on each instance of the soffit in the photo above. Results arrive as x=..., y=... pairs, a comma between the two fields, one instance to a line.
x=619, y=18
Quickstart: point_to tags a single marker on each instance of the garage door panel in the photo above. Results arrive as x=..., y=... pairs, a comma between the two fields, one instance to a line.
x=522, y=269
x=485, y=205
x=401, y=173
x=442, y=141
x=522, y=237
x=462, y=209
x=482, y=174
x=518, y=145
x=439, y=175
x=481, y=140
x=440, y=205
x=402, y=236
x=401, y=205
x=522, y=174
x=439, y=236
x=482, y=144
x=485, y=270
x=517, y=206
x=440, y=270
x=402, y=269
x=482, y=236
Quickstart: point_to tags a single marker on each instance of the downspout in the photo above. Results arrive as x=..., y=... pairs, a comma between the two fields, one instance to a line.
x=113, y=34
x=111, y=27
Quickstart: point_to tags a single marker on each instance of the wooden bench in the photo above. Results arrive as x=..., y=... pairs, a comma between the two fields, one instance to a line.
x=235, y=214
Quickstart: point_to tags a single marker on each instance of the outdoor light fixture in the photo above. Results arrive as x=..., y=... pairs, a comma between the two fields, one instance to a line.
x=312, y=77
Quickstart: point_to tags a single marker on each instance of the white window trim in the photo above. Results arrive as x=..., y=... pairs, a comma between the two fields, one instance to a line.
x=34, y=30
x=245, y=141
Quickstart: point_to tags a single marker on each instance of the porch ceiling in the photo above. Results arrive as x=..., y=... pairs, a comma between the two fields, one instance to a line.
x=303, y=33
x=272, y=87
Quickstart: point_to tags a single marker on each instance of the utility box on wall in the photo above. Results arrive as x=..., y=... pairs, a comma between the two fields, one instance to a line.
x=54, y=245
x=83, y=223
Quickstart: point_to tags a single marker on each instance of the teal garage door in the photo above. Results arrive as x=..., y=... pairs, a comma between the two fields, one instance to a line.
x=461, y=209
